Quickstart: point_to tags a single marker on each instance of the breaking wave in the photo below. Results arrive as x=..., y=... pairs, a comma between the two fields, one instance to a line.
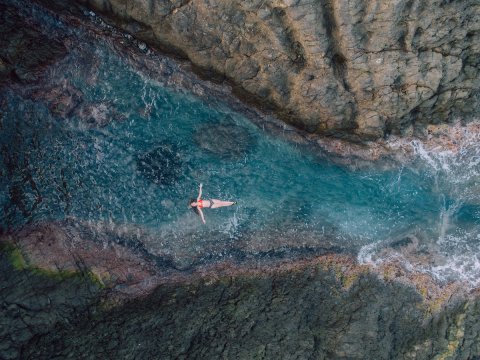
x=449, y=247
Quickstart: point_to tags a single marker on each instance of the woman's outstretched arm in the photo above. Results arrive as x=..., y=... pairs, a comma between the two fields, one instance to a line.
x=201, y=215
x=200, y=192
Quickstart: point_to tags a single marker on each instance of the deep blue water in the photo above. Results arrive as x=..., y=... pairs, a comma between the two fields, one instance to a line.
x=134, y=150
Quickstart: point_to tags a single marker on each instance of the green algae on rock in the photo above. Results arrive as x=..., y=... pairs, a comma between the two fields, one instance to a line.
x=35, y=301
x=144, y=303
x=322, y=307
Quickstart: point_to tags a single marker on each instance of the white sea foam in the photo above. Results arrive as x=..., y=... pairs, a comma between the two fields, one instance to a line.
x=366, y=252
x=231, y=226
x=448, y=251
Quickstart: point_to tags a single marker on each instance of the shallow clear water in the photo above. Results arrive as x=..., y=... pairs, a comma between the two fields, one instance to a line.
x=135, y=150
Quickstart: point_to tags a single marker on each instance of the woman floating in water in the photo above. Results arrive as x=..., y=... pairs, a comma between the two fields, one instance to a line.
x=199, y=204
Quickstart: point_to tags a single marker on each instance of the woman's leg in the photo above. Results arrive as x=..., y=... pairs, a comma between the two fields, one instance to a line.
x=220, y=203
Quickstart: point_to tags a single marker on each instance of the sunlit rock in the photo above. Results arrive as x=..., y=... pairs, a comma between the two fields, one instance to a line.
x=253, y=271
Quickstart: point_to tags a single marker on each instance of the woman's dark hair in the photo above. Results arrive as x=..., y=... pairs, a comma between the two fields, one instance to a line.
x=194, y=208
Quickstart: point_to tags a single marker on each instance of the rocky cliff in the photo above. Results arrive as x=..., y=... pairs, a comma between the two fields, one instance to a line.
x=358, y=69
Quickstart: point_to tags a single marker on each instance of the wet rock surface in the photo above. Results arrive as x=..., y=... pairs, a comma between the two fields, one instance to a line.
x=360, y=70
x=99, y=115
x=61, y=99
x=75, y=289
x=116, y=261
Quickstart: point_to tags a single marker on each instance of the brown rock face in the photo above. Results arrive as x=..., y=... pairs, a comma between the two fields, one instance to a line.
x=358, y=69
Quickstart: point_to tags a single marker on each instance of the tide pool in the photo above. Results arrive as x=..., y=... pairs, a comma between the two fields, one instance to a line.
x=105, y=143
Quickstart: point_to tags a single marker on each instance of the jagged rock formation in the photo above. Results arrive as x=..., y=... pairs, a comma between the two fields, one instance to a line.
x=327, y=308
x=357, y=69
x=64, y=294
x=68, y=292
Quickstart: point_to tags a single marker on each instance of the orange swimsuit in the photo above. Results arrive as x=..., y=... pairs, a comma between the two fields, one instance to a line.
x=200, y=204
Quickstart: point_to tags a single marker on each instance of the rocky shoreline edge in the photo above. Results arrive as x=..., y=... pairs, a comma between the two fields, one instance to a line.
x=389, y=151
x=354, y=70
x=65, y=298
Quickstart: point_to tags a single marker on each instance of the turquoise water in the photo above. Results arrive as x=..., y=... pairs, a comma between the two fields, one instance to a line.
x=134, y=150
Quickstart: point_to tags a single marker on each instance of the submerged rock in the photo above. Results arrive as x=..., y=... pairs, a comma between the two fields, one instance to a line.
x=162, y=165
x=24, y=50
x=60, y=282
x=71, y=292
x=227, y=141
x=62, y=98
x=98, y=114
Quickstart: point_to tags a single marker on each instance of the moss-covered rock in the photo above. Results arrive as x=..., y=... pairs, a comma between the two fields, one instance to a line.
x=35, y=301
